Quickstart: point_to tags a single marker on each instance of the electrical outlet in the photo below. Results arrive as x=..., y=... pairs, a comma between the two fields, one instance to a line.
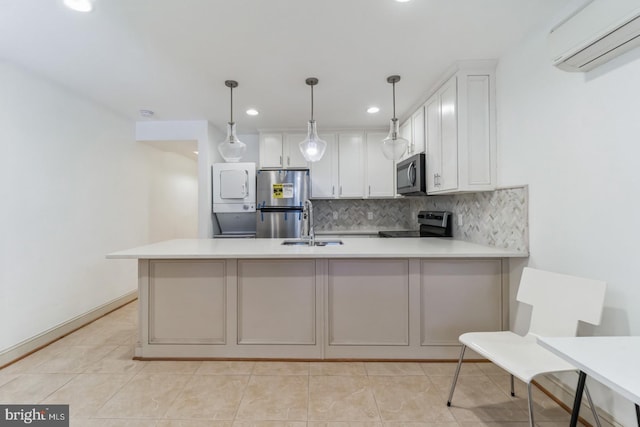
x=369, y=216
x=335, y=215
x=460, y=222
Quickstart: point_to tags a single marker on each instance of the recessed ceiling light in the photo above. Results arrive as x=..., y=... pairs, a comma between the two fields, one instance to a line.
x=195, y=152
x=79, y=5
x=373, y=110
x=252, y=112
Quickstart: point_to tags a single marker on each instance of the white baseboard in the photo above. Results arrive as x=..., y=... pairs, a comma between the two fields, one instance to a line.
x=47, y=337
x=561, y=392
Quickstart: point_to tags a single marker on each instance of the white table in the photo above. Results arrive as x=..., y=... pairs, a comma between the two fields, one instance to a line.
x=613, y=361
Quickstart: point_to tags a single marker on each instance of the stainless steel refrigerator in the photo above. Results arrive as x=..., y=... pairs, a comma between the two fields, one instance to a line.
x=280, y=196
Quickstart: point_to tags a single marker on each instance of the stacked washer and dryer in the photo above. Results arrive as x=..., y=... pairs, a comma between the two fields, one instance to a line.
x=234, y=199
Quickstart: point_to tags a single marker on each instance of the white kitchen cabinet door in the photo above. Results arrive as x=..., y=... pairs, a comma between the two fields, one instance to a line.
x=477, y=152
x=406, y=131
x=368, y=302
x=292, y=156
x=418, y=131
x=271, y=150
x=448, y=179
x=434, y=143
x=459, y=296
x=277, y=302
x=380, y=171
x=442, y=139
x=351, y=164
x=324, y=173
x=187, y=302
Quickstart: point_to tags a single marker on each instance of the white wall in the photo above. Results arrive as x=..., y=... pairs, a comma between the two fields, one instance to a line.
x=575, y=139
x=207, y=138
x=173, y=196
x=74, y=187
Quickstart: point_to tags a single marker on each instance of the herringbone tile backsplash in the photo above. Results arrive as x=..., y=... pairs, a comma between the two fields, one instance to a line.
x=496, y=218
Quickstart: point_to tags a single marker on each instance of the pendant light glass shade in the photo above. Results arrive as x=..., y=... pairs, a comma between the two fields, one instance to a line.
x=312, y=147
x=394, y=146
x=232, y=149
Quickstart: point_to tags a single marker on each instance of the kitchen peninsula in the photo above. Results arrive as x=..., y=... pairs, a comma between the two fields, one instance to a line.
x=368, y=298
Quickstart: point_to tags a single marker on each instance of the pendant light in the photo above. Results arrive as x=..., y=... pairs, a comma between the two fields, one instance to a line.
x=312, y=147
x=231, y=148
x=394, y=146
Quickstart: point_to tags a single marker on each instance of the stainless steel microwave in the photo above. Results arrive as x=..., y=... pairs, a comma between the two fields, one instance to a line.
x=411, y=176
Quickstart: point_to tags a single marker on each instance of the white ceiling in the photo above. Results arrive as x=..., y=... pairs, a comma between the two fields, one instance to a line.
x=173, y=56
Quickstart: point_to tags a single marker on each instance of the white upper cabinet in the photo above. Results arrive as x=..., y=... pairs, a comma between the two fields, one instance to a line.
x=406, y=132
x=460, y=131
x=324, y=173
x=351, y=164
x=281, y=150
x=379, y=171
x=413, y=130
x=271, y=150
x=417, y=144
x=291, y=155
x=353, y=167
x=447, y=172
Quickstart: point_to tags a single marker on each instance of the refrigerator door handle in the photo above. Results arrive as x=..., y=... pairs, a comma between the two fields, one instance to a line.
x=280, y=209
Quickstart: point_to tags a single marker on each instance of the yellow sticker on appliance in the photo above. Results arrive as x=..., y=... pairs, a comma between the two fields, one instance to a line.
x=283, y=191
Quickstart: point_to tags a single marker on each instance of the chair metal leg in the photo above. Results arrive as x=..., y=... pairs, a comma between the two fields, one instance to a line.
x=513, y=390
x=455, y=376
x=530, y=397
x=593, y=408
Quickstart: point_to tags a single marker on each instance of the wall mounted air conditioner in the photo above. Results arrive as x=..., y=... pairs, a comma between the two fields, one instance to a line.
x=595, y=34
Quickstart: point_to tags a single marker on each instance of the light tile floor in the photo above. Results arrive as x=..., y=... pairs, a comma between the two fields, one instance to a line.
x=92, y=370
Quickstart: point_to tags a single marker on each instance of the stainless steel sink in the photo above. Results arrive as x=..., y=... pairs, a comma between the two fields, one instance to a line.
x=295, y=243
x=316, y=243
x=328, y=242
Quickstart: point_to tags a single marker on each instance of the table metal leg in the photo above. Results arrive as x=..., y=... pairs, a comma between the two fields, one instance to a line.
x=638, y=414
x=578, y=399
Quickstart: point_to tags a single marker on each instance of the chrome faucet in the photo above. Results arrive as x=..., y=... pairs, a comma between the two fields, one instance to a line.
x=308, y=222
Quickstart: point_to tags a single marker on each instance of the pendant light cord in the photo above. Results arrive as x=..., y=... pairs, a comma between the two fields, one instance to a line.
x=311, y=102
x=232, y=105
x=394, y=100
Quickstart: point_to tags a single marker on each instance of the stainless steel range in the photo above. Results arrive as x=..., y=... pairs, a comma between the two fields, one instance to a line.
x=432, y=224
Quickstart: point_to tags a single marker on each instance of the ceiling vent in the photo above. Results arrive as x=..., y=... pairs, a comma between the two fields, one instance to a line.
x=595, y=34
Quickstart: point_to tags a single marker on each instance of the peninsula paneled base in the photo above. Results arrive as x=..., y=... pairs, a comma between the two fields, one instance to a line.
x=378, y=308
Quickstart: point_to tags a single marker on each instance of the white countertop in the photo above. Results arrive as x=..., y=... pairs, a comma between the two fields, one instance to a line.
x=352, y=248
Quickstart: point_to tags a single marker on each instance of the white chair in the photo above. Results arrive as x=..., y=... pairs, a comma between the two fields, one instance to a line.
x=559, y=302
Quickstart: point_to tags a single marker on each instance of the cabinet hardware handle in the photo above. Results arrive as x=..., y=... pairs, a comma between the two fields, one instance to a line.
x=341, y=190
x=333, y=190
x=369, y=190
x=280, y=160
x=288, y=161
